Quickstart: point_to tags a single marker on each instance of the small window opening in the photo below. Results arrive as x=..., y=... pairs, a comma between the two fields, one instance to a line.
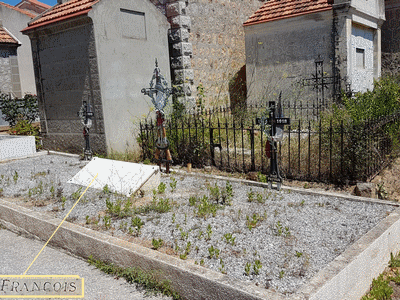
x=360, y=58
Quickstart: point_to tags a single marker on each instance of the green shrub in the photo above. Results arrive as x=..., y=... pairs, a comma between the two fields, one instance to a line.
x=15, y=109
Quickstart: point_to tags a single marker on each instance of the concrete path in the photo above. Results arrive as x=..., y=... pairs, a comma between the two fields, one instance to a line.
x=17, y=253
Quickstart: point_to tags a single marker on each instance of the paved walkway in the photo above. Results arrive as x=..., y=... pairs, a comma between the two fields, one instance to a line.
x=17, y=253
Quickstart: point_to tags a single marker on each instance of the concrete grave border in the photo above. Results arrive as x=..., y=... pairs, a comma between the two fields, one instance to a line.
x=347, y=277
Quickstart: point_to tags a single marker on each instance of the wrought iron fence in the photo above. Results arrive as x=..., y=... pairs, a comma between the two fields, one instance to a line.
x=310, y=150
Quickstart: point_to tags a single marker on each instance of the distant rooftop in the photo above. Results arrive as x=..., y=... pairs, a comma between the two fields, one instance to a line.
x=281, y=9
x=33, y=6
x=70, y=9
x=6, y=37
x=32, y=15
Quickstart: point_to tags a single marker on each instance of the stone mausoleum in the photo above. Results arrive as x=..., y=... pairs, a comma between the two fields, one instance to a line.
x=102, y=52
x=284, y=38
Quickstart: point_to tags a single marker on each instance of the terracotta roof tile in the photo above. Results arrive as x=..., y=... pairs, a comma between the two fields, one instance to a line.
x=63, y=11
x=6, y=38
x=19, y=10
x=281, y=9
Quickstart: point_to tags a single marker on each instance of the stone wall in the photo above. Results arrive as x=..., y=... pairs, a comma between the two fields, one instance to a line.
x=391, y=38
x=217, y=36
x=207, y=47
x=283, y=52
x=67, y=74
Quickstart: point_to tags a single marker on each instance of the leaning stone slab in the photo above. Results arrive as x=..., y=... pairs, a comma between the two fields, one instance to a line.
x=121, y=177
x=12, y=146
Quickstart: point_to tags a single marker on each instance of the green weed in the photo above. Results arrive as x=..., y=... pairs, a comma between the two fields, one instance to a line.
x=213, y=252
x=75, y=195
x=149, y=279
x=161, y=188
x=157, y=243
x=172, y=184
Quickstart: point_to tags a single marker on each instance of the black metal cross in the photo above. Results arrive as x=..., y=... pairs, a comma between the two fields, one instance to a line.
x=275, y=123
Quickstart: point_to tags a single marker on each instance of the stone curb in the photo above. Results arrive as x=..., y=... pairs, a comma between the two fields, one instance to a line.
x=40, y=153
x=303, y=191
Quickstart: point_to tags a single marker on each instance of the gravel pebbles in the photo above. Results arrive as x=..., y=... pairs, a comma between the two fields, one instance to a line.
x=277, y=240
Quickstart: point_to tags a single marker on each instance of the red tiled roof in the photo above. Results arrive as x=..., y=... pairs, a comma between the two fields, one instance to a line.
x=61, y=12
x=37, y=3
x=6, y=38
x=281, y=9
x=18, y=9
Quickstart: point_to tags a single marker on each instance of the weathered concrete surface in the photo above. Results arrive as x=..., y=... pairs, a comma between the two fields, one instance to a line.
x=18, y=252
x=347, y=277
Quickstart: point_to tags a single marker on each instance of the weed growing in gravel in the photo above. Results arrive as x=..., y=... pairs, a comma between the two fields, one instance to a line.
x=173, y=218
x=36, y=190
x=184, y=235
x=257, y=266
x=206, y=208
x=187, y=251
x=149, y=279
x=260, y=198
x=201, y=262
x=214, y=192
x=160, y=206
x=15, y=177
x=299, y=254
x=106, y=189
x=161, y=188
x=137, y=224
x=200, y=235
x=172, y=184
x=52, y=191
x=222, y=268
x=107, y=222
x=113, y=209
x=229, y=191
x=209, y=232
x=280, y=230
x=281, y=273
x=252, y=222
x=63, y=200
x=229, y=238
x=192, y=201
x=394, y=262
x=250, y=196
x=75, y=195
x=213, y=251
x=123, y=226
x=157, y=243
x=247, y=268
x=221, y=196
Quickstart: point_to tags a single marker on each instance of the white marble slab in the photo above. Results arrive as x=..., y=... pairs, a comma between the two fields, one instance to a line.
x=16, y=146
x=119, y=176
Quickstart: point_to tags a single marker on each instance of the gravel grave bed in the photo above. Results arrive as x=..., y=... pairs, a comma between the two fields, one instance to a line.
x=275, y=239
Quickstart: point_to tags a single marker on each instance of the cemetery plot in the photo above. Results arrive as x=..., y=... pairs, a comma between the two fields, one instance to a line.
x=277, y=240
